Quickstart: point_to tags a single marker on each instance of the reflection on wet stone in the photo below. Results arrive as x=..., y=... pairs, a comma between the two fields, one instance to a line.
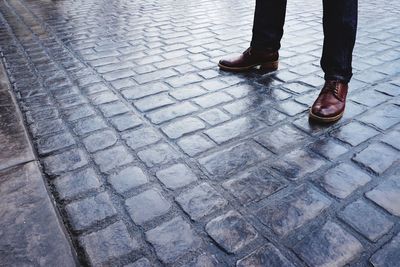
x=176, y=176
x=231, y=231
x=388, y=255
x=66, y=161
x=158, y=154
x=328, y=148
x=234, y=159
x=173, y=239
x=119, y=243
x=253, y=185
x=343, y=179
x=387, y=195
x=281, y=138
x=293, y=210
x=127, y=179
x=75, y=183
x=147, y=206
x=232, y=129
x=377, y=157
x=367, y=220
x=201, y=201
x=297, y=164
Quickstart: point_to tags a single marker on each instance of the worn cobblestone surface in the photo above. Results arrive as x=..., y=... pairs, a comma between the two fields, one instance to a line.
x=137, y=130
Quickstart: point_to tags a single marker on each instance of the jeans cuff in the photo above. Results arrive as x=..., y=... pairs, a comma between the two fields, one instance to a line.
x=337, y=77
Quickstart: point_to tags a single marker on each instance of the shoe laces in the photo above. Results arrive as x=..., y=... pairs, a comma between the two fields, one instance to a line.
x=332, y=86
x=247, y=51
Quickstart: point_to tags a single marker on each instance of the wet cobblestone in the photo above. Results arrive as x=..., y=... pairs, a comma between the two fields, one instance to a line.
x=157, y=158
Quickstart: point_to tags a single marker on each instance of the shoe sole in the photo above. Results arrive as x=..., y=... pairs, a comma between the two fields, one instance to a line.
x=270, y=66
x=325, y=119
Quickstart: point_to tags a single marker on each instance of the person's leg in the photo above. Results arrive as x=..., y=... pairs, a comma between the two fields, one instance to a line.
x=340, y=26
x=269, y=18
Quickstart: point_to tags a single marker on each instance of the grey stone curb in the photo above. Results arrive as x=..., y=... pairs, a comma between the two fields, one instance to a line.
x=32, y=233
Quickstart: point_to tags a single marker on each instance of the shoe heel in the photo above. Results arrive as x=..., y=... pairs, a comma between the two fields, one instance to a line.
x=270, y=66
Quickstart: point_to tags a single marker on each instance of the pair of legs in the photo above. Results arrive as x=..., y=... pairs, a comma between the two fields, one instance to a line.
x=339, y=25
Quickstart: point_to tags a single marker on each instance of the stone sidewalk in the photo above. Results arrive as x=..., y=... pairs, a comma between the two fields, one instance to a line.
x=29, y=223
x=156, y=158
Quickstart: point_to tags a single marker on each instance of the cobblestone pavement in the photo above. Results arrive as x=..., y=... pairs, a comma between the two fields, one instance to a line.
x=156, y=158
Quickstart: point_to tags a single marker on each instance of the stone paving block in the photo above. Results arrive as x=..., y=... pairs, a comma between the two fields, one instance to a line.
x=103, y=97
x=392, y=138
x=229, y=161
x=377, y=157
x=173, y=239
x=388, y=255
x=41, y=115
x=231, y=231
x=126, y=122
x=46, y=127
x=194, y=144
x=387, y=195
x=100, y=140
x=86, y=212
x=141, y=137
x=171, y=112
x=214, y=116
x=297, y=164
x=183, y=80
x=354, y=133
x=293, y=210
x=366, y=220
x=246, y=104
x=291, y=108
x=142, y=91
x=253, y=185
x=281, y=138
x=383, y=117
x=329, y=246
x=76, y=183
x=127, y=179
x=232, y=129
x=53, y=143
x=113, y=108
x=328, y=149
x=369, y=98
x=176, y=176
x=270, y=116
x=268, y=255
x=343, y=179
x=111, y=242
x=65, y=161
x=201, y=201
x=88, y=125
x=179, y=128
x=158, y=154
x=213, y=99
x=113, y=157
x=80, y=112
x=147, y=206
x=187, y=92
x=152, y=102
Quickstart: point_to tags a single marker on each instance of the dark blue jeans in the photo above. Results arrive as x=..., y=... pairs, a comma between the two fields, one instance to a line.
x=339, y=24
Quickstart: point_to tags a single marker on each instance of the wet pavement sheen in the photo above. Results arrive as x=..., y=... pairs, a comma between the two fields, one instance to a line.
x=157, y=158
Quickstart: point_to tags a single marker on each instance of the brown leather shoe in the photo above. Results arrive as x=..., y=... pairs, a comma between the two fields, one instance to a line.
x=330, y=104
x=267, y=60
